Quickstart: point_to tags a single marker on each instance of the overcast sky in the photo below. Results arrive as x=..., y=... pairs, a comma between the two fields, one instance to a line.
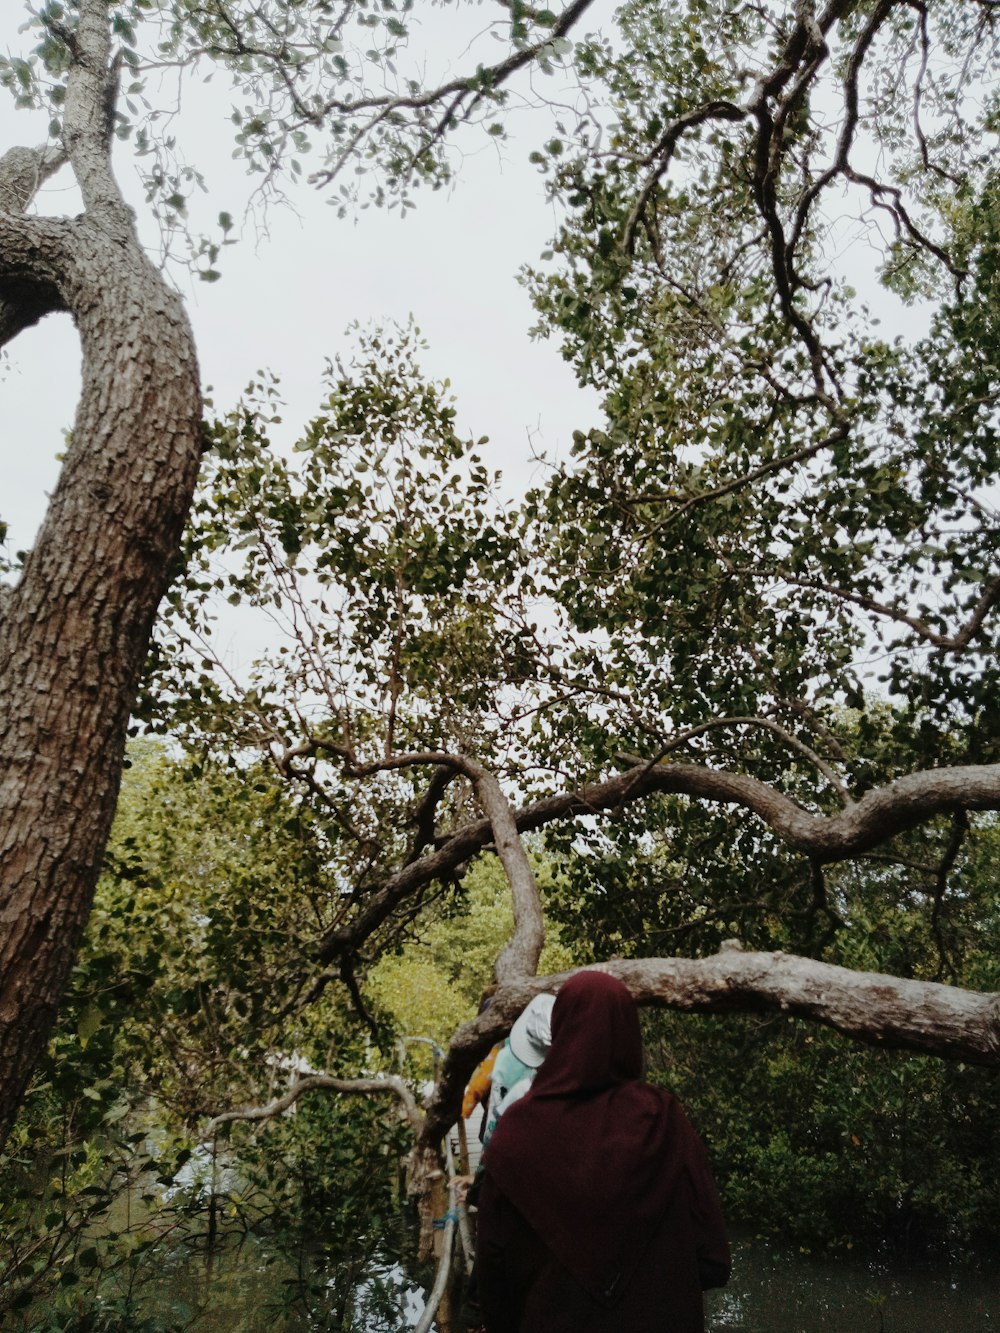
x=286, y=299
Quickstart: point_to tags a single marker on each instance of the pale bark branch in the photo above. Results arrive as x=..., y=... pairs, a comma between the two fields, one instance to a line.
x=874, y=1008
x=519, y=956
x=876, y=817
x=381, y=1086
x=877, y=1009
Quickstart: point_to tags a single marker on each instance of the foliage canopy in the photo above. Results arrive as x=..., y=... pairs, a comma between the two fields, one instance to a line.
x=735, y=657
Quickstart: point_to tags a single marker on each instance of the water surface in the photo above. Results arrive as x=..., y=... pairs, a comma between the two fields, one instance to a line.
x=779, y=1290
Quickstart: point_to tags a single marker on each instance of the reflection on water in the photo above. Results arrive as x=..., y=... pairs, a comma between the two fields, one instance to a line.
x=774, y=1290
x=241, y=1289
x=247, y=1289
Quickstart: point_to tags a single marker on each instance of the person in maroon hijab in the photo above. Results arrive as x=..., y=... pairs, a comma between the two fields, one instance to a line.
x=598, y=1212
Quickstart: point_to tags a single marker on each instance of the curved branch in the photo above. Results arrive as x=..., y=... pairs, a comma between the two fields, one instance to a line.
x=390, y=1083
x=776, y=464
x=847, y=130
x=901, y=218
x=948, y=642
x=878, y=816
x=776, y=729
x=426, y=811
x=663, y=152
x=26, y=293
x=485, y=79
x=23, y=171
x=870, y=1007
x=519, y=956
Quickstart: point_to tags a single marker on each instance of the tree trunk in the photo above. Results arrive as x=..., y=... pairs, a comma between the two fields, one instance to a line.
x=75, y=630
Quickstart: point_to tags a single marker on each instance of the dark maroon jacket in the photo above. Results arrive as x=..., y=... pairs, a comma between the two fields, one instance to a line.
x=598, y=1211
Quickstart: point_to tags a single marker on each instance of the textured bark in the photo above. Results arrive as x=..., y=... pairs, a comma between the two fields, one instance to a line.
x=868, y=823
x=881, y=1010
x=75, y=630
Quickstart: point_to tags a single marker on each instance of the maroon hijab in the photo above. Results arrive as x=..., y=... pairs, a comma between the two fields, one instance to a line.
x=592, y=1155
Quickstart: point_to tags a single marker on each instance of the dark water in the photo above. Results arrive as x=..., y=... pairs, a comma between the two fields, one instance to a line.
x=775, y=1290
x=246, y=1288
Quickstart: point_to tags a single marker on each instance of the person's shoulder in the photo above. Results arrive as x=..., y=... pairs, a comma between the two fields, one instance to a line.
x=657, y=1102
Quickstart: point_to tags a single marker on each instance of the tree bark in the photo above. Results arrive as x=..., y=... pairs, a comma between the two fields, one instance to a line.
x=882, y=1010
x=873, y=820
x=75, y=630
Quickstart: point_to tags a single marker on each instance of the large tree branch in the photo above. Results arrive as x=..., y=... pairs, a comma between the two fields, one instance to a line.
x=426, y=812
x=23, y=171
x=871, y=821
x=662, y=155
x=871, y=1007
x=520, y=955
x=88, y=120
x=28, y=288
x=887, y=1011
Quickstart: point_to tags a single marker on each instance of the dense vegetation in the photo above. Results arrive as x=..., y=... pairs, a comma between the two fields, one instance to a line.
x=178, y=1010
x=729, y=672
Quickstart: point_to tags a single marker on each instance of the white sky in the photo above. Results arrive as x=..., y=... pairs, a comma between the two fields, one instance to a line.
x=284, y=302
x=286, y=299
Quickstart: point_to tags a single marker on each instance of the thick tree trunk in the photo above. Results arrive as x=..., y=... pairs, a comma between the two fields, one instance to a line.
x=75, y=630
